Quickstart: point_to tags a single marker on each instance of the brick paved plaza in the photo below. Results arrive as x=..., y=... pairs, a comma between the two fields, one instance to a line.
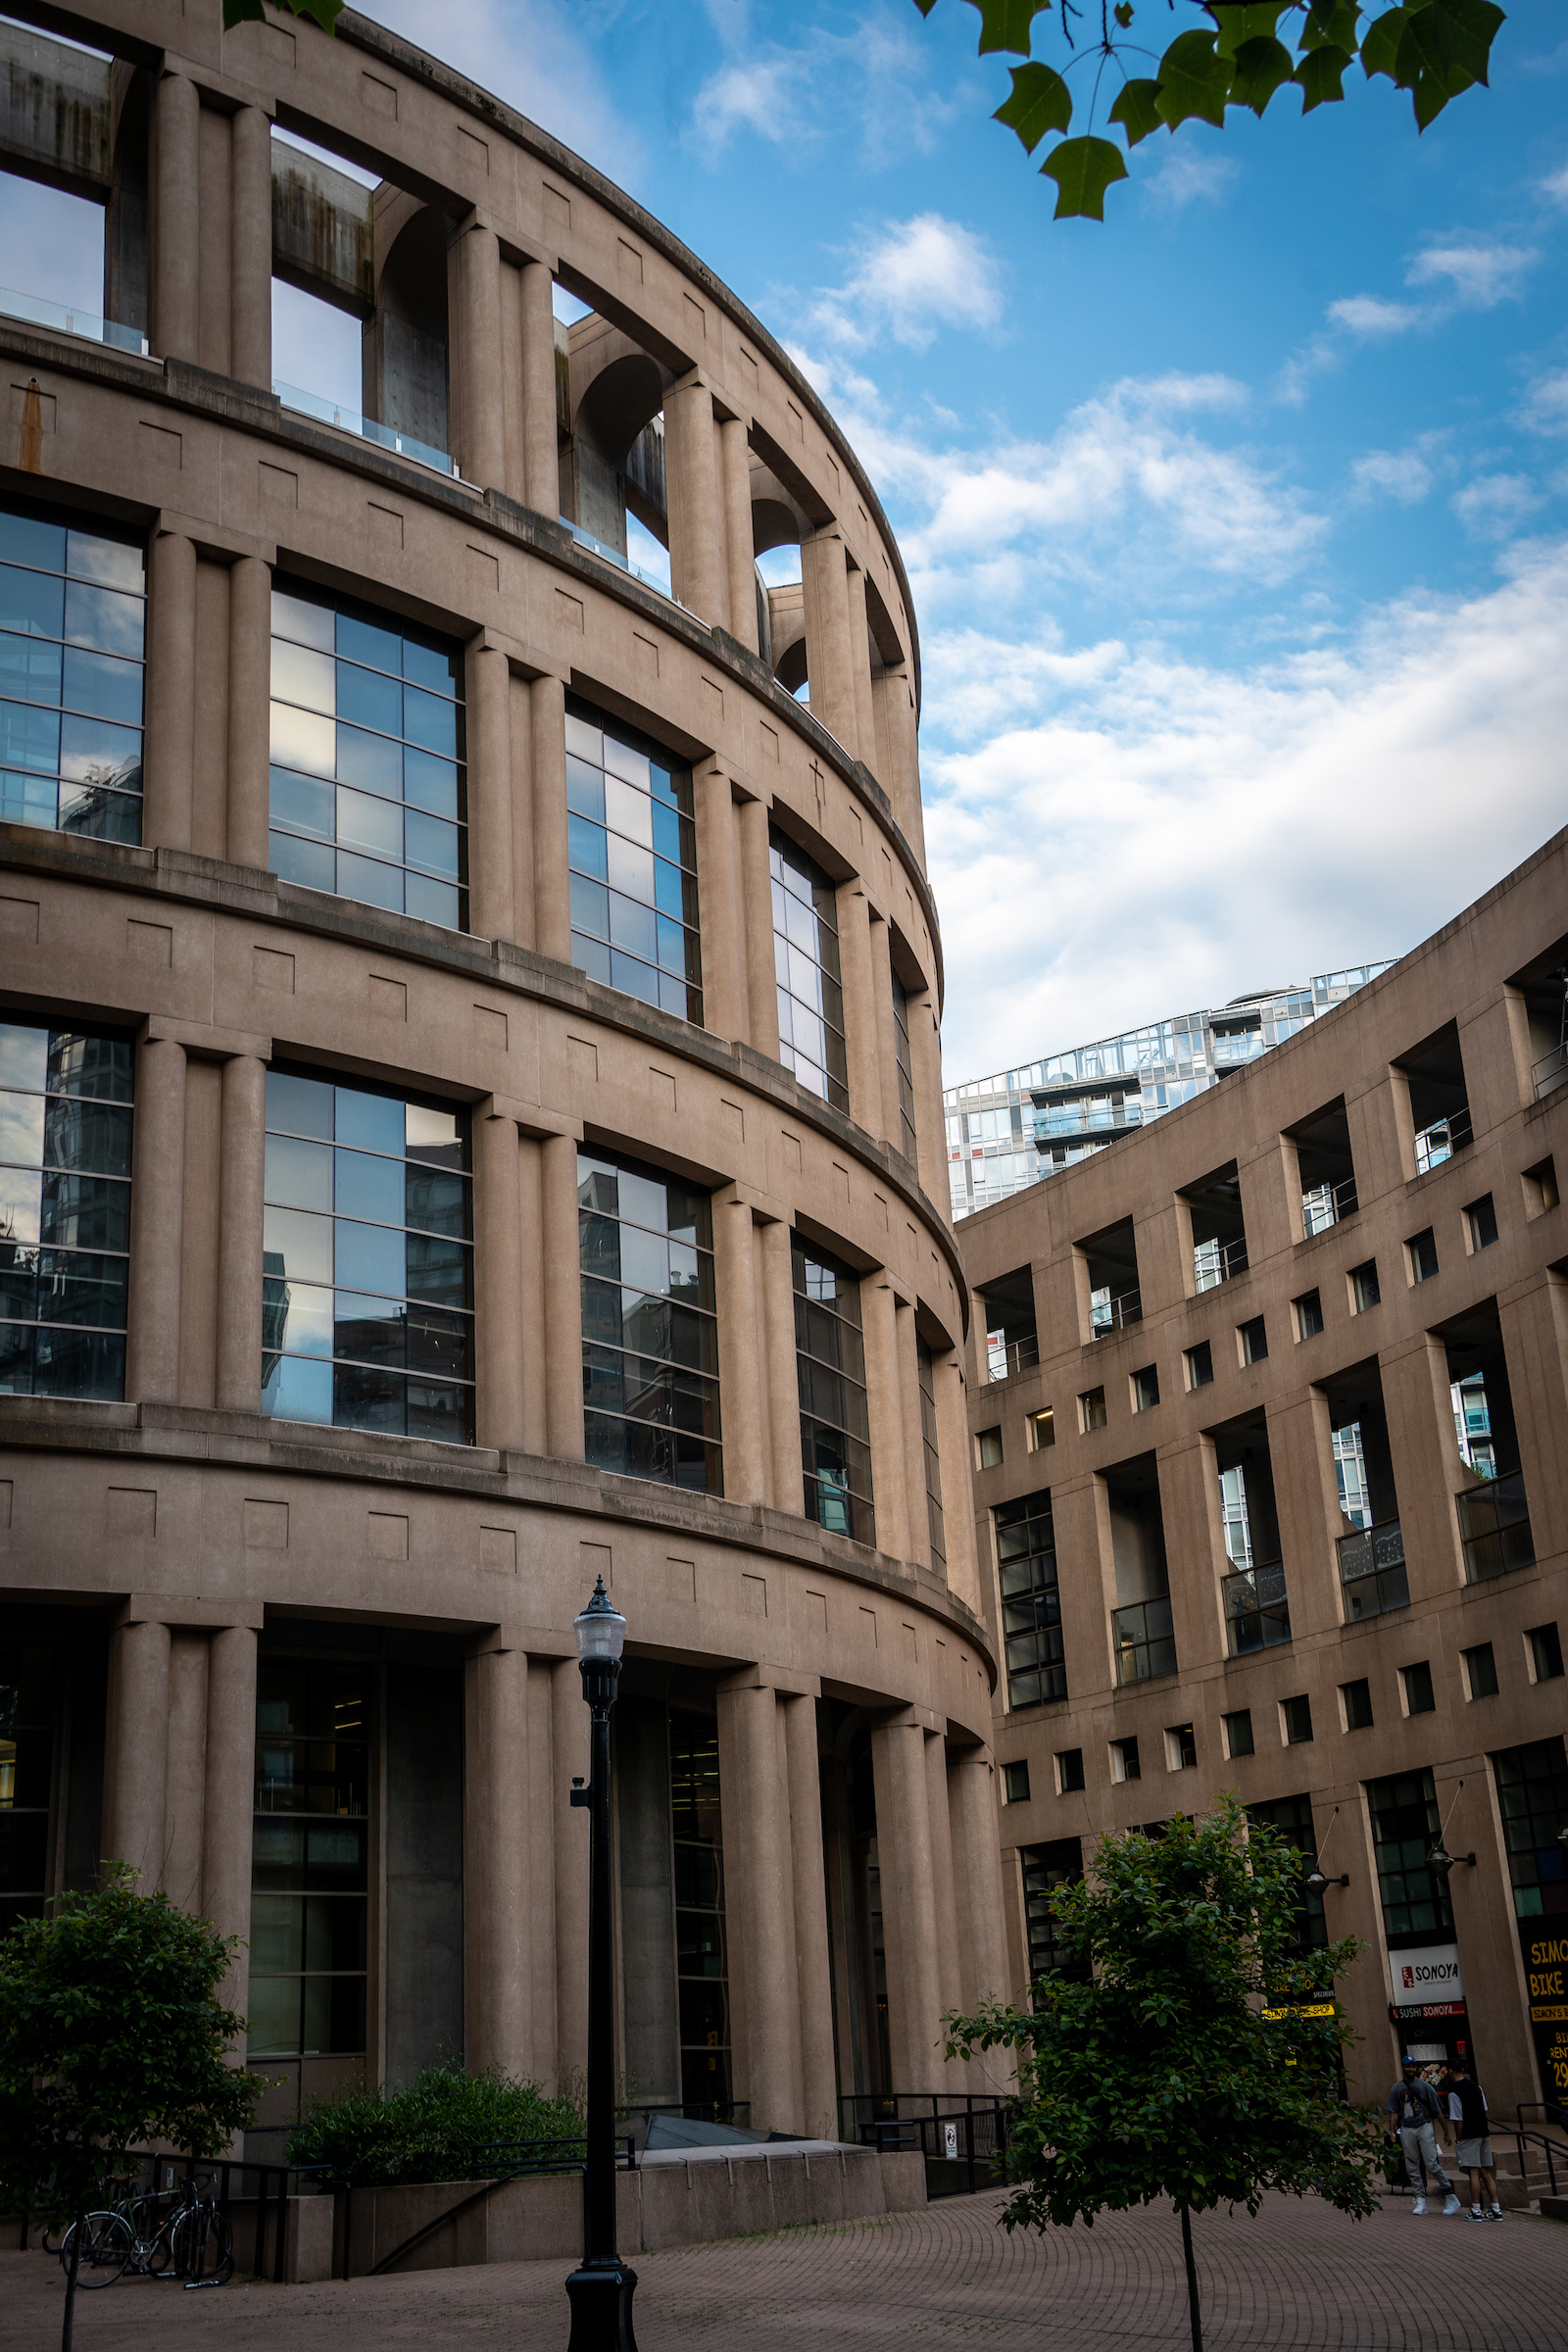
x=1298, y=2276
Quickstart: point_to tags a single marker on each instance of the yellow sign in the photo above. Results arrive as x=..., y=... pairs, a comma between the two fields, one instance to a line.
x=1312, y=2009
x=1540, y=2015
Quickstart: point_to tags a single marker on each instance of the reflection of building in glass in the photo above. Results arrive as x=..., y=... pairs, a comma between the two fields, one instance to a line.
x=1014, y=1128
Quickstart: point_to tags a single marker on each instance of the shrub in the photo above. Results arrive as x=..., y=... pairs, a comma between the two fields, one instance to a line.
x=431, y=2129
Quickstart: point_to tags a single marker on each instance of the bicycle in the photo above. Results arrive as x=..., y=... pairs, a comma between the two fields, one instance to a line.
x=167, y=2233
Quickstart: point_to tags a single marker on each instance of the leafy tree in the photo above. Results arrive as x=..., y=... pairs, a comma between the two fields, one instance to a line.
x=1243, y=55
x=110, y=2036
x=429, y=2129
x=1188, y=2047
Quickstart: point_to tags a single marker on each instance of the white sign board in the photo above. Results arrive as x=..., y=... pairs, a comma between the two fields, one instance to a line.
x=1431, y=1973
x=950, y=2141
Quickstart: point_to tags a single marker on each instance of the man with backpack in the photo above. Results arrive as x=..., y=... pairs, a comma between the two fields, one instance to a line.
x=1467, y=2111
x=1416, y=2108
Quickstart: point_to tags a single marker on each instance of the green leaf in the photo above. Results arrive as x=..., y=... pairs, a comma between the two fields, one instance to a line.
x=1320, y=73
x=1331, y=24
x=1041, y=101
x=1380, y=44
x=1193, y=80
x=1123, y=13
x=1241, y=20
x=925, y=6
x=325, y=12
x=241, y=12
x=1443, y=49
x=1083, y=170
x=1260, y=67
x=1008, y=25
x=1137, y=111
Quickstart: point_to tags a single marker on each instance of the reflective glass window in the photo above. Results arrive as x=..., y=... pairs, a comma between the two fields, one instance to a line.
x=1046, y=1870
x=1533, y=1800
x=309, y=1860
x=901, y=1036
x=369, y=757
x=1031, y=1603
x=631, y=843
x=650, y=1332
x=1405, y=1827
x=73, y=641
x=64, y=1211
x=806, y=963
x=368, y=1261
x=935, y=1527
x=830, y=1369
x=702, y=1963
x=29, y=1705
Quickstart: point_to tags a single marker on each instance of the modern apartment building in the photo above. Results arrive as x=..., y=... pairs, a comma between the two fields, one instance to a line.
x=1274, y=1496
x=470, y=1111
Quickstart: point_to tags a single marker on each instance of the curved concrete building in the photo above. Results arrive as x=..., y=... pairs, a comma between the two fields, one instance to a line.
x=473, y=1112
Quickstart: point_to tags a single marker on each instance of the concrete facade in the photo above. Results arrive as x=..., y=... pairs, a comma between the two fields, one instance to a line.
x=1335, y=1239
x=173, y=1550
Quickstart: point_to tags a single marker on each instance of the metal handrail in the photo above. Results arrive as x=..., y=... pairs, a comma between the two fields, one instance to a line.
x=926, y=2130
x=1325, y=1205
x=1446, y=1136
x=1117, y=1313
x=1549, y=1072
x=1216, y=1261
x=1014, y=1355
x=1523, y=2136
x=534, y=2167
x=1494, y=1527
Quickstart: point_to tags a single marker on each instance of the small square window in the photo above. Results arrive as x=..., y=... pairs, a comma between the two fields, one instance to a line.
x=1419, y=1698
x=1545, y=1652
x=988, y=1445
x=1181, y=1747
x=1540, y=1186
x=1238, y=1728
x=1357, y=1698
x=1069, y=1770
x=1092, y=1406
x=1364, y=1290
x=1199, y=1363
x=1255, y=1340
x=1146, y=1389
x=1124, y=1760
x=1040, y=1429
x=1481, y=1671
x=1481, y=1219
x=1295, y=1719
x=1422, y=1250
x=1016, y=1783
x=1308, y=1315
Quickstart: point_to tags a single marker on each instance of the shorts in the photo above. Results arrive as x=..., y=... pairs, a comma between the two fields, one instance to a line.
x=1474, y=2155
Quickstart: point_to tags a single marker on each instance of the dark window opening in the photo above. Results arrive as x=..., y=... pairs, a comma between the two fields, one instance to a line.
x=1357, y=1697
x=1533, y=1800
x=1439, y=1108
x=650, y=1327
x=1110, y=1261
x=1011, y=1342
x=1298, y=1714
x=1219, y=1237
x=1291, y=1817
x=1069, y=1770
x=1238, y=1727
x=1326, y=1169
x=309, y=1860
x=1254, y=1337
x=1016, y=1783
x=1405, y=1827
x=1419, y=1696
x=702, y=1959
x=1200, y=1365
x=1481, y=1665
x=1141, y=1632
x=1308, y=1315
x=1031, y=1603
x=1545, y=1653
x=1423, y=1252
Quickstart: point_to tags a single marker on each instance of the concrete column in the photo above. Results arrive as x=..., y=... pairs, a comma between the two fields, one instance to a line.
x=250, y=687
x=484, y=455
x=885, y=1403
x=787, y=1478
x=175, y=225
x=168, y=775
x=718, y=865
x=498, y=1251
x=519, y=738
x=860, y=667
x=544, y=1829
x=251, y=248
x=137, y=1747
x=887, y=1036
x=490, y=888
x=759, y=1900
x=943, y=1891
x=570, y=1723
x=696, y=529
x=498, y=2003
x=914, y=1430
x=552, y=881
x=909, y=1909
x=179, y=1864
x=532, y=1321
x=830, y=655
x=229, y=1796
x=757, y=900
x=957, y=1478
x=541, y=466
x=861, y=1028
x=735, y=468
x=562, y=1291
x=978, y=1901
x=739, y=1361
x=812, y=1970
x=158, y=1176
x=903, y=786
x=242, y=1185
x=925, y=1056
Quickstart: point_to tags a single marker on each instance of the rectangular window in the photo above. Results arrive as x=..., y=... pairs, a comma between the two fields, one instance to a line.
x=1144, y=1641
x=1481, y=1671
x=66, y=1115
x=1046, y=1867
x=1181, y=1747
x=1040, y=1429
x=1031, y=1603
x=367, y=1261
x=1533, y=1800
x=1419, y=1696
x=1146, y=1389
x=1357, y=1698
x=1364, y=1290
x=1070, y=1771
x=901, y=1037
x=631, y=843
x=1292, y=1818
x=1308, y=1314
x=650, y=1328
x=1405, y=1827
x=1296, y=1719
x=1199, y=1363
x=935, y=1527
x=805, y=962
x=1545, y=1652
x=702, y=1961
x=1016, y=1783
x=1124, y=1764
x=1253, y=1337
x=29, y=1695
x=1092, y=1404
x=988, y=1448
x=830, y=1370
x=1482, y=1219
x=73, y=641
x=309, y=1860
x=369, y=774
x=1423, y=1254
x=1238, y=1733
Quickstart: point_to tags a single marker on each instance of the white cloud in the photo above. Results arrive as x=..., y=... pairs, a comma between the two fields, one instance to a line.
x=1554, y=187
x=1144, y=834
x=1545, y=404
x=1493, y=503
x=1368, y=315
x=1476, y=276
x=875, y=86
x=759, y=97
x=1187, y=176
x=533, y=55
x=1398, y=473
x=908, y=278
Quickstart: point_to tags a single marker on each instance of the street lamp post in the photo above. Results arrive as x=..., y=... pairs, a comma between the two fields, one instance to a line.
x=600, y=2290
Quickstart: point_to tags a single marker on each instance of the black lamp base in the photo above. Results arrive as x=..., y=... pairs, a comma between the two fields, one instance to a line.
x=600, y=2296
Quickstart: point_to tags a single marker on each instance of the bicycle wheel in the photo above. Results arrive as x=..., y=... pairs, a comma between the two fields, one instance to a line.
x=201, y=2247
x=106, y=2249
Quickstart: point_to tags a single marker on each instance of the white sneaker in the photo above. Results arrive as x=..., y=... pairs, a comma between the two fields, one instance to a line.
x=1495, y=2215
x=1450, y=2204
x=1419, y=2206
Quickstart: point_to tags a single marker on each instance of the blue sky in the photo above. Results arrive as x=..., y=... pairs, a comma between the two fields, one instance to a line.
x=1238, y=526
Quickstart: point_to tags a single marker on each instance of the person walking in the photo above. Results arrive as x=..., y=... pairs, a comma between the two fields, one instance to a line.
x=1467, y=2111
x=1415, y=2109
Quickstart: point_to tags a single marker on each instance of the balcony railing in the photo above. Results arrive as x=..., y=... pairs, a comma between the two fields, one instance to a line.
x=1494, y=1523
x=1115, y=1314
x=1146, y=1645
x=1443, y=1139
x=1373, y=1572
x=1328, y=1204
x=72, y=322
x=1550, y=1072
x=1006, y=1358
x=1257, y=1613
x=612, y=555
x=364, y=428
x=1214, y=1262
